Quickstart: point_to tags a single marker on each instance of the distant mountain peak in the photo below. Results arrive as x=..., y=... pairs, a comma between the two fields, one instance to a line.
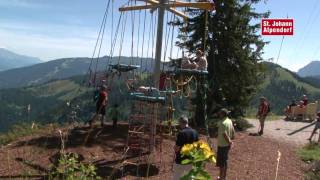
x=11, y=60
x=311, y=69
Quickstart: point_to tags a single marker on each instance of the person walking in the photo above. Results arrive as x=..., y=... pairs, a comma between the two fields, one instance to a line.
x=187, y=135
x=226, y=134
x=263, y=110
x=316, y=127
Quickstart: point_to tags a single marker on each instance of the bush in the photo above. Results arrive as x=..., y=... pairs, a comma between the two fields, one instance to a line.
x=241, y=124
x=70, y=168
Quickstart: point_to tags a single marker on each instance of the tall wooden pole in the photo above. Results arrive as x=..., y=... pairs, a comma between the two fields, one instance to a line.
x=161, y=11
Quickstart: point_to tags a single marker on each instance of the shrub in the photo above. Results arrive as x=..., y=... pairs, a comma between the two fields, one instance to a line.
x=69, y=168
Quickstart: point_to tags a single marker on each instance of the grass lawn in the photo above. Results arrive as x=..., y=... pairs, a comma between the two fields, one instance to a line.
x=311, y=154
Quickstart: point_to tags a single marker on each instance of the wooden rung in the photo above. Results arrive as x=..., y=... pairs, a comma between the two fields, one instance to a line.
x=131, y=163
x=134, y=145
x=200, y=5
x=132, y=8
x=135, y=132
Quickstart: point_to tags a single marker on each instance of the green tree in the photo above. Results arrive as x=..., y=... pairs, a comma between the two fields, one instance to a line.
x=234, y=48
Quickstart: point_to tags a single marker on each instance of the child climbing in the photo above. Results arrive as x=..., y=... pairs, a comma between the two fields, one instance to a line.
x=199, y=62
x=114, y=116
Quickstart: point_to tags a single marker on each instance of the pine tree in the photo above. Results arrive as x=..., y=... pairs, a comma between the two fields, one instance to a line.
x=234, y=48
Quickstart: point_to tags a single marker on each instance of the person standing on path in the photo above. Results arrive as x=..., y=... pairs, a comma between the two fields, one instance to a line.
x=226, y=134
x=187, y=135
x=316, y=127
x=263, y=111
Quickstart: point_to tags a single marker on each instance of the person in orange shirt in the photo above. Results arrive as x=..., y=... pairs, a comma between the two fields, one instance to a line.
x=263, y=110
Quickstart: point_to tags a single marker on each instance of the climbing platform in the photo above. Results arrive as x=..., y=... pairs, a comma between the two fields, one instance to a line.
x=124, y=67
x=151, y=99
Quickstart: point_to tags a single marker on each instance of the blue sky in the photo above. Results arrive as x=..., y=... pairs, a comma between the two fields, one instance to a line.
x=51, y=29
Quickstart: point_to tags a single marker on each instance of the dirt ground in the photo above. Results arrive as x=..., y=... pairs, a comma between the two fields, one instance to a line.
x=295, y=133
x=251, y=158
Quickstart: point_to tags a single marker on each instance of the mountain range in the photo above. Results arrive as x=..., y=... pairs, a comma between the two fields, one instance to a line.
x=10, y=60
x=310, y=70
x=64, y=68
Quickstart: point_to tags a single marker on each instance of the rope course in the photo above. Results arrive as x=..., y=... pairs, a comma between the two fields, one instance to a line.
x=146, y=130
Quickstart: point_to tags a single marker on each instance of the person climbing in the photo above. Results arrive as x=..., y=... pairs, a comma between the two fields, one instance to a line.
x=262, y=113
x=316, y=127
x=226, y=134
x=187, y=63
x=114, y=116
x=101, y=105
x=201, y=61
x=187, y=135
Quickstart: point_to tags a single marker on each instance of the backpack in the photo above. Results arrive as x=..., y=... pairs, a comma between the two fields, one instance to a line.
x=269, y=108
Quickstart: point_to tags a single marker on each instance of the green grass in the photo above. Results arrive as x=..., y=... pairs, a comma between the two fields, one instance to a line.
x=22, y=130
x=284, y=75
x=310, y=152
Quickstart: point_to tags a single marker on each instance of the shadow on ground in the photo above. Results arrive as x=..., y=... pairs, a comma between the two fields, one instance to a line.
x=106, y=137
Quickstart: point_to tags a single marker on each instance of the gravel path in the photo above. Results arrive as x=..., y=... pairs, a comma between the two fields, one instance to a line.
x=295, y=133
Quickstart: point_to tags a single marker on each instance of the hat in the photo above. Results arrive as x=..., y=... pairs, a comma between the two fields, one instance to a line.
x=225, y=110
x=199, y=52
x=183, y=119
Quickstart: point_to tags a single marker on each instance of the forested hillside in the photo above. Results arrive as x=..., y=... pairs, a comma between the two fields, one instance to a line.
x=49, y=100
x=281, y=86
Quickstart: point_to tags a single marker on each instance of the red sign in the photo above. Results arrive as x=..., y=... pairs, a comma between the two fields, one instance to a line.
x=283, y=27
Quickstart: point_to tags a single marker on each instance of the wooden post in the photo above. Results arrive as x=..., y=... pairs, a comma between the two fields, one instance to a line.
x=161, y=11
